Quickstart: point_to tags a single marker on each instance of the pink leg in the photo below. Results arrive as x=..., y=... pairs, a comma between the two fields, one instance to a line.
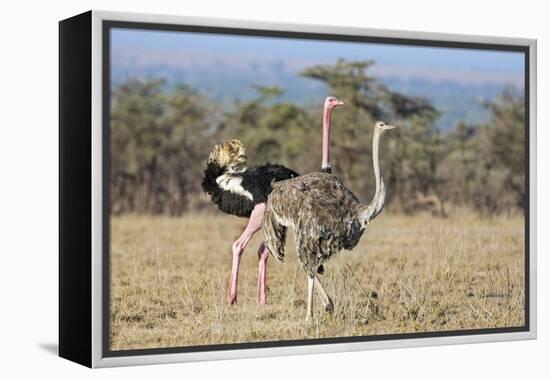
x=254, y=224
x=263, y=254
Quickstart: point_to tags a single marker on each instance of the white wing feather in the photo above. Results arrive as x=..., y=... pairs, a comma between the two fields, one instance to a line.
x=233, y=184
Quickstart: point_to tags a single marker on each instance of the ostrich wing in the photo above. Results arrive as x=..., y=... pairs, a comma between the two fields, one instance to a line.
x=233, y=182
x=274, y=235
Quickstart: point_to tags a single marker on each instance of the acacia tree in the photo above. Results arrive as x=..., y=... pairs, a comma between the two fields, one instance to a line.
x=458, y=168
x=500, y=177
x=272, y=131
x=157, y=138
x=161, y=137
x=507, y=142
x=415, y=154
x=485, y=164
x=411, y=154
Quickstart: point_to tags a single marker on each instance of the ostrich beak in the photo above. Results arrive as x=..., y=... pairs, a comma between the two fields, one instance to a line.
x=339, y=102
x=389, y=127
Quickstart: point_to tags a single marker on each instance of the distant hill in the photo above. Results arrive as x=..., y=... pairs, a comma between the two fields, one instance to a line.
x=458, y=101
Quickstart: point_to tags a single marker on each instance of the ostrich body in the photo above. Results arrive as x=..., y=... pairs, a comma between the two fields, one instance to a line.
x=243, y=191
x=325, y=215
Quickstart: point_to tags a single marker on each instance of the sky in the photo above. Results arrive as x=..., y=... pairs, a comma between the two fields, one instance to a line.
x=146, y=47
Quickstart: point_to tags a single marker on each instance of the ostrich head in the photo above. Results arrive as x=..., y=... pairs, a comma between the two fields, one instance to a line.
x=331, y=102
x=231, y=154
x=380, y=127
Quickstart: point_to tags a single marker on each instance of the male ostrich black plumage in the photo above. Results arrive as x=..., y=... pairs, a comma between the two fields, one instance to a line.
x=243, y=191
x=255, y=182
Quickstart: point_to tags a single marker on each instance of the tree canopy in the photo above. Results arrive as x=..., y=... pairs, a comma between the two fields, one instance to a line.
x=161, y=137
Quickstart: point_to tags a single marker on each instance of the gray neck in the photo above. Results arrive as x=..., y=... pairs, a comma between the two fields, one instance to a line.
x=327, y=112
x=370, y=212
x=376, y=163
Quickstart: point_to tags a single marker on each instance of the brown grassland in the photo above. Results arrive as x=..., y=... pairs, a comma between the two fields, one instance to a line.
x=169, y=279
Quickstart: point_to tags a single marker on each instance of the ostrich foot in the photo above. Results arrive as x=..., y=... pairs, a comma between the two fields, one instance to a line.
x=329, y=307
x=231, y=299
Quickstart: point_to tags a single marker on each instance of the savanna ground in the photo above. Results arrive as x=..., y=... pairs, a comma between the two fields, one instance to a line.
x=169, y=279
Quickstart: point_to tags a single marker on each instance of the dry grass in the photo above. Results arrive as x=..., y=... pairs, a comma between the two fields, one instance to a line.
x=408, y=274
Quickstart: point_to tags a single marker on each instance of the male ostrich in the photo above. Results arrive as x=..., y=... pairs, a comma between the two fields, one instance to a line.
x=326, y=217
x=242, y=191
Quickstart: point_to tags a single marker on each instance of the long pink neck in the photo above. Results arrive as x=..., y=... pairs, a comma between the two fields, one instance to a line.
x=326, y=137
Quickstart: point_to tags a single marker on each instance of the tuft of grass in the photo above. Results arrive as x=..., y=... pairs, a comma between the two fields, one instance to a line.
x=170, y=276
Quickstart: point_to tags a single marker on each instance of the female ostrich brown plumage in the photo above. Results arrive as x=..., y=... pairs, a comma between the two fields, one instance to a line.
x=242, y=191
x=326, y=217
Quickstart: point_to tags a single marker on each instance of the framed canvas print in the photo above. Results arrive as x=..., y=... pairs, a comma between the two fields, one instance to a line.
x=232, y=189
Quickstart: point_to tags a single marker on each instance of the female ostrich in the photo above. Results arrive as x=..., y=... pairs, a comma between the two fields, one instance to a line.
x=243, y=191
x=325, y=215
